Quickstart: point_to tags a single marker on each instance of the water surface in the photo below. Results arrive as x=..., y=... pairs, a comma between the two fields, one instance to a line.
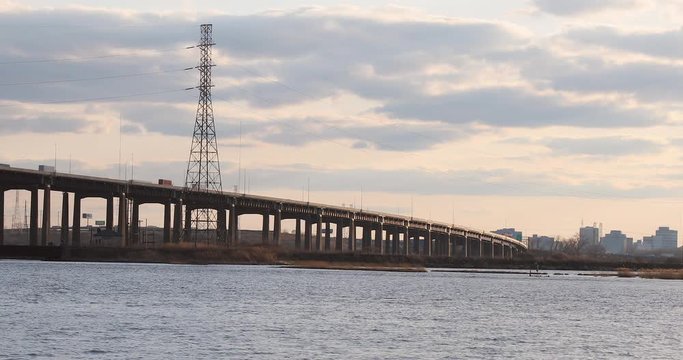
x=158, y=311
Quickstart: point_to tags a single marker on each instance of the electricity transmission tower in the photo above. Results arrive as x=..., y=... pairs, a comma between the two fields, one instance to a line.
x=203, y=167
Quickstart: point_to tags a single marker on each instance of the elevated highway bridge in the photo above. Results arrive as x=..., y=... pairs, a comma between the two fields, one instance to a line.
x=366, y=231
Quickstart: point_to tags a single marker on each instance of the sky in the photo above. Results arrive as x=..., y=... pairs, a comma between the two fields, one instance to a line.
x=536, y=114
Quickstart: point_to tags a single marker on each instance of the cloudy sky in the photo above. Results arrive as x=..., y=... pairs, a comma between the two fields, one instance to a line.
x=537, y=114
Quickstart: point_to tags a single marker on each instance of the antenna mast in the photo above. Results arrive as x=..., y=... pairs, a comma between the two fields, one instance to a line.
x=203, y=167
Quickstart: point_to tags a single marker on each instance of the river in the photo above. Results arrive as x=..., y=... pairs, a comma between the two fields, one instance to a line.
x=159, y=311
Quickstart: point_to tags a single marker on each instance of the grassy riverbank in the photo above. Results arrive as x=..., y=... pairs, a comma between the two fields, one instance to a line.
x=202, y=254
x=666, y=274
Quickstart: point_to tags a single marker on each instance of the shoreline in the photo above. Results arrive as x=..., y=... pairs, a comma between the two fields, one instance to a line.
x=264, y=255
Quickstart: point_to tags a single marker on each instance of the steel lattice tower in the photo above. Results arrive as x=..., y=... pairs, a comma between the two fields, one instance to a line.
x=203, y=167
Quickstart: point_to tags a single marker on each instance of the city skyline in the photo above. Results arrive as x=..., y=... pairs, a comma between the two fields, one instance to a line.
x=530, y=115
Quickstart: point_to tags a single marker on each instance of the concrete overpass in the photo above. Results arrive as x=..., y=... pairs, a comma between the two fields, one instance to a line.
x=368, y=231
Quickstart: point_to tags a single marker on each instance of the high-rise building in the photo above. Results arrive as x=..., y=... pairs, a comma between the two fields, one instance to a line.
x=510, y=232
x=665, y=239
x=589, y=235
x=545, y=243
x=616, y=242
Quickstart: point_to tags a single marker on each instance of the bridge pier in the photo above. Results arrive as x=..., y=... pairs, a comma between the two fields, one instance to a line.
x=187, y=236
x=379, y=239
x=76, y=225
x=265, y=228
x=394, y=241
x=64, y=234
x=339, y=233
x=428, y=243
x=352, y=235
x=448, y=245
x=2, y=217
x=367, y=238
x=178, y=220
x=466, y=248
x=328, y=236
x=319, y=234
x=233, y=226
x=33, y=222
x=221, y=226
x=308, y=230
x=297, y=234
x=45, y=231
x=277, y=227
x=109, y=219
x=135, y=223
x=123, y=218
x=406, y=241
x=167, y=221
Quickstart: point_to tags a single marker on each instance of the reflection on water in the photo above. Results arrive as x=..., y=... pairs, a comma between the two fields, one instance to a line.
x=152, y=311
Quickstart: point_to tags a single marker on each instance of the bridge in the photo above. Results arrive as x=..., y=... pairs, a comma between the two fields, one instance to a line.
x=380, y=233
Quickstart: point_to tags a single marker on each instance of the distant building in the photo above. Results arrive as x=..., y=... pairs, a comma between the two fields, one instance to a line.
x=510, y=232
x=665, y=239
x=545, y=243
x=616, y=243
x=589, y=235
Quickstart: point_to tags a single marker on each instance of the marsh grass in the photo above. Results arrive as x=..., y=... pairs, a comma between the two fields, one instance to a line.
x=667, y=274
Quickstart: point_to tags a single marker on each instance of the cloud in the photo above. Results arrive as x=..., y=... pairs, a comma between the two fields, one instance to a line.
x=582, y=7
x=388, y=137
x=603, y=146
x=47, y=124
x=516, y=108
x=664, y=44
x=649, y=82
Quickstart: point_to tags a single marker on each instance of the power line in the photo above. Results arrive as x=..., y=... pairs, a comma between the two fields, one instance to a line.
x=115, y=97
x=82, y=58
x=106, y=77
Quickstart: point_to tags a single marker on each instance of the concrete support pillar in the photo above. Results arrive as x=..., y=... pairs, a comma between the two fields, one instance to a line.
x=45, y=230
x=493, y=249
x=319, y=234
x=466, y=248
x=109, y=219
x=277, y=227
x=33, y=222
x=135, y=223
x=308, y=235
x=2, y=217
x=76, y=225
x=379, y=239
x=187, y=237
x=339, y=233
x=450, y=246
x=428, y=243
x=328, y=236
x=64, y=235
x=367, y=239
x=395, y=241
x=178, y=220
x=221, y=226
x=406, y=241
x=388, y=235
x=297, y=235
x=416, y=244
x=232, y=226
x=352, y=235
x=123, y=219
x=265, y=228
x=167, y=221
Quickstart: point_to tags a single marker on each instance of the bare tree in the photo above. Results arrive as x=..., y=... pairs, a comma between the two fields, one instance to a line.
x=570, y=245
